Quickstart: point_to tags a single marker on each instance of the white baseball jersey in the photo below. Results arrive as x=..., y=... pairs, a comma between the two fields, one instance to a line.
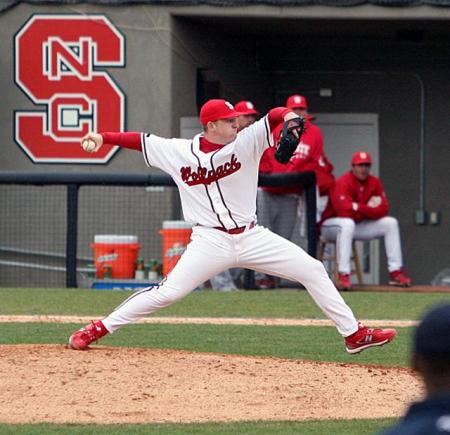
x=217, y=189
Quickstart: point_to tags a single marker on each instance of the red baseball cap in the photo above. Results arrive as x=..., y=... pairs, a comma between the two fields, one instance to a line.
x=361, y=157
x=296, y=102
x=213, y=110
x=246, y=108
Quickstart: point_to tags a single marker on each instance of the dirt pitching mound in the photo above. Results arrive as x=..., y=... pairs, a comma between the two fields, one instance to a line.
x=51, y=383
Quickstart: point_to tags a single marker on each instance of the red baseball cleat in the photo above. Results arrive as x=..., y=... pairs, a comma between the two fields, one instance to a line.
x=81, y=339
x=399, y=279
x=365, y=337
x=344, y=282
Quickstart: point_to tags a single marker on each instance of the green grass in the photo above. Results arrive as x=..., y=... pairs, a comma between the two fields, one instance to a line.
x=335, y=427
x=311, y=343
x=274, y=303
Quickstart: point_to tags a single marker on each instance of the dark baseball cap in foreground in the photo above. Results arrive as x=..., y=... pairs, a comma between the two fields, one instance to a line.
x=432, y=336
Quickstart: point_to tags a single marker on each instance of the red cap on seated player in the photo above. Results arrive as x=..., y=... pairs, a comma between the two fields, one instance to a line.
x=361, y=157
x=246, y=108
x=214, y=110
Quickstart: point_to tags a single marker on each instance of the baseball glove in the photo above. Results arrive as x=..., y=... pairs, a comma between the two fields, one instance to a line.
x=289, y=139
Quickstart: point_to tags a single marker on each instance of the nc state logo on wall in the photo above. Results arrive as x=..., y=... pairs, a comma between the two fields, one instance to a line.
x=57, y=65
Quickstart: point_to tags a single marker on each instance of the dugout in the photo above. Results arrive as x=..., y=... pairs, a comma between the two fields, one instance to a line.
x=381, y=58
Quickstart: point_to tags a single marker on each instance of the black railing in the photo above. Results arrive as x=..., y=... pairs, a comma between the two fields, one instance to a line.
x=306, y=182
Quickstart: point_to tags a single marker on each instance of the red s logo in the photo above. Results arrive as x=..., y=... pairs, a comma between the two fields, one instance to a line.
x=57, y=65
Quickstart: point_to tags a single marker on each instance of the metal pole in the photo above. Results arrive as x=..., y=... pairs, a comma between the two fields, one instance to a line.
x=71, y=235
x=311, y=212
x=249, y=279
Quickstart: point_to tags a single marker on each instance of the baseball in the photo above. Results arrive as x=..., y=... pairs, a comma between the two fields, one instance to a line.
x=88, y=145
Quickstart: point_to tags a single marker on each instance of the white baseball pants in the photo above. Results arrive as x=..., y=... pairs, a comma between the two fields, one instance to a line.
x=343, y=231
x=211, y=251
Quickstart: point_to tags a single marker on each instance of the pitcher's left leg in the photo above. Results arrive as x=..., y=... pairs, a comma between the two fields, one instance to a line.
x=267, y=252
x=270, y=253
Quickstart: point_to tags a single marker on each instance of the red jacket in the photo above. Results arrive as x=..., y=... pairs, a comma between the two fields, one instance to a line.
x=309, y=156
x=349, y=190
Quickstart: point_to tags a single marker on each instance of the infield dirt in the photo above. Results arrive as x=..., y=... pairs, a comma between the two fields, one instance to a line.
x=52, y=383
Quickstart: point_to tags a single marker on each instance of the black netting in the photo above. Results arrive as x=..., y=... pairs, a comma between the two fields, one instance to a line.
x=33, y=233
x=66, y=230
x=32, y=236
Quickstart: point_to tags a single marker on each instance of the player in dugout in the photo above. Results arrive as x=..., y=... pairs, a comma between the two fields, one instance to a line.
x=248, y=113
x=280, y=206
x=217, y=177
x=358, y=209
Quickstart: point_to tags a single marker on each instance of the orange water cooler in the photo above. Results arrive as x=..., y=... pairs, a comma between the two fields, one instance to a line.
x=176, y=236
x=117, y=253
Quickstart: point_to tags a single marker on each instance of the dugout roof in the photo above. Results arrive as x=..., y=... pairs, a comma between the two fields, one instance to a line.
x=5, y=4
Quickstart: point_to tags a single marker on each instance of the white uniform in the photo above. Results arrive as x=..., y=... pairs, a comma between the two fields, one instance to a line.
x=343, y=231
x=218, y=189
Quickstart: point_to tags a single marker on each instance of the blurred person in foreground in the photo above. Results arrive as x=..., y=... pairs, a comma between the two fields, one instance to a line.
x=431, y=360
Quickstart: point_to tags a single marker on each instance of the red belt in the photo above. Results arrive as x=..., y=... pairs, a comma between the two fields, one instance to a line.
x=237, y=230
